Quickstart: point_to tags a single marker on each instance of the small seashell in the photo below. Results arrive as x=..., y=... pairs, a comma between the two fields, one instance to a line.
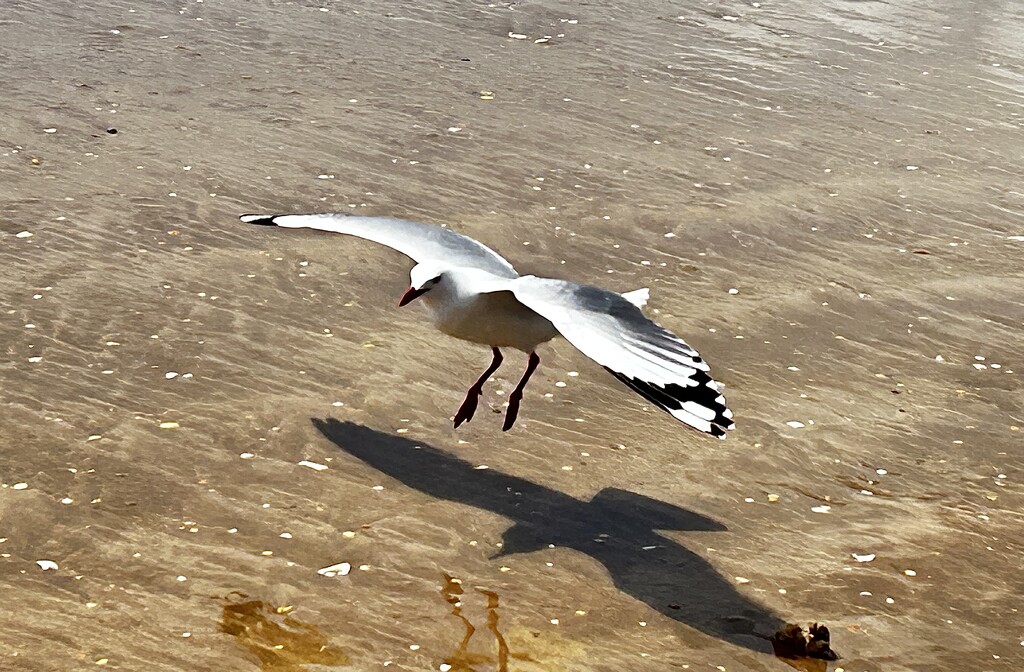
x=342, y=568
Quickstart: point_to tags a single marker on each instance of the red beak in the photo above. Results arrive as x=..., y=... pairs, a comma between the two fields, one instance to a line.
x=411, y=295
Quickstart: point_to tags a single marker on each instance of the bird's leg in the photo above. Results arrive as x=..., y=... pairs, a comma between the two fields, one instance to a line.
x=468, y=407
x=517, y=394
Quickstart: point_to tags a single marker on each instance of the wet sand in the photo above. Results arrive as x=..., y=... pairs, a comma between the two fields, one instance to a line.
x=852, y=169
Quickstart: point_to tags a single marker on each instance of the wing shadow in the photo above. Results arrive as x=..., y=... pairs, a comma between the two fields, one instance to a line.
x=613, y=528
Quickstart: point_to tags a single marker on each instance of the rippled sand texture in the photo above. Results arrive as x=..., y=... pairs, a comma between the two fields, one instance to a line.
x=825, y=198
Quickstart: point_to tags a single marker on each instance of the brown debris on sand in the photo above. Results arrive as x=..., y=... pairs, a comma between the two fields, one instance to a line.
x=791, y=643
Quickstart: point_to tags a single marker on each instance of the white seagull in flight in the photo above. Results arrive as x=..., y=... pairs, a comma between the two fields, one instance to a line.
x=474, y=294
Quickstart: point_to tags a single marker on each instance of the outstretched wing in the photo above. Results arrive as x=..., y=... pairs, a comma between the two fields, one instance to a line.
x=654, y=362
x=420, y=242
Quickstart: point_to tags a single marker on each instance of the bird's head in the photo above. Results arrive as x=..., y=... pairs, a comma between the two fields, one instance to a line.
x=422, y=279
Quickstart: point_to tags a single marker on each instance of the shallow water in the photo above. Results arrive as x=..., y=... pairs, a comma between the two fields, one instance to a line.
x=852, y=169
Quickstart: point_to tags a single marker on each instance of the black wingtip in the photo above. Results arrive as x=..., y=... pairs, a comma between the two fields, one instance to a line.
x=671, y=398
x=262, y=220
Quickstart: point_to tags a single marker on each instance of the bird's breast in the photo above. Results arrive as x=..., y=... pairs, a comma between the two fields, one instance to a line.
x=495, y=319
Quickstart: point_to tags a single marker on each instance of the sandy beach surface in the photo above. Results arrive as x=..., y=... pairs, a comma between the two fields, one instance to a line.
x=201, y=418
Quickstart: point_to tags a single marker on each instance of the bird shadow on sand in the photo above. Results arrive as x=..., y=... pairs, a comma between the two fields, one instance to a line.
x=616, y=527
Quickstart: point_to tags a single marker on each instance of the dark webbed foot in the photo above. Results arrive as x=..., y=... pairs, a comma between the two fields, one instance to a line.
x=516, y=397
x=468, y=408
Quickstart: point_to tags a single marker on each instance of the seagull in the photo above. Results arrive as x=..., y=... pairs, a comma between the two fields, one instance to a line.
x=474, y=294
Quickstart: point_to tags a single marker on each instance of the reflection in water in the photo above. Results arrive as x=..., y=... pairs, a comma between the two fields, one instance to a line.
x=492, y=625
x=616, y=528
x=461, y=659
x=282, y=643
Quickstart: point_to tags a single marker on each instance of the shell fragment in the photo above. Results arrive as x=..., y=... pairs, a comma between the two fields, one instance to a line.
x=342, y=569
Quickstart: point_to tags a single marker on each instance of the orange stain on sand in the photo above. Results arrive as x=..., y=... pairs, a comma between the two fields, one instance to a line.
x=282, y=642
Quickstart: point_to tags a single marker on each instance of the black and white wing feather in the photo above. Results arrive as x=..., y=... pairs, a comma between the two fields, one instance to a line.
x=652, y=361
x=420, y=242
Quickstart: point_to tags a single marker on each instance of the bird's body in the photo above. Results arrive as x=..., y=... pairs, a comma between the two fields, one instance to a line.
x=496, y=318
x=475, y=295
